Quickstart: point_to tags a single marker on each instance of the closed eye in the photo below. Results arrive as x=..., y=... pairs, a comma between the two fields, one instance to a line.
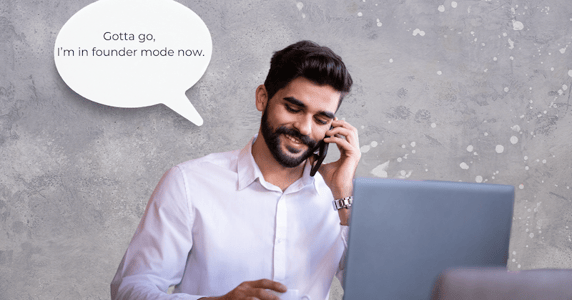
x=321, y=122
x=291, y=109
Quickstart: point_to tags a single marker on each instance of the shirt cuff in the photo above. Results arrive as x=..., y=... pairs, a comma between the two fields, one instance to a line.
x=345, y=232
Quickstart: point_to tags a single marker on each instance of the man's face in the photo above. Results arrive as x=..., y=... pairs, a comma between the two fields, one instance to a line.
x=296, y=119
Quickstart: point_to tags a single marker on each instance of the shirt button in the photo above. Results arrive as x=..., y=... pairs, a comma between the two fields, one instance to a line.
x=305, y=297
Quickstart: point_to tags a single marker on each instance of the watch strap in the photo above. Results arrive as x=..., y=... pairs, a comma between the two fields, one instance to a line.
x=345, y=202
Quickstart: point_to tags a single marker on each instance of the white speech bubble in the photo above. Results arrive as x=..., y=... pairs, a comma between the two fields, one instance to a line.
x=135, y=53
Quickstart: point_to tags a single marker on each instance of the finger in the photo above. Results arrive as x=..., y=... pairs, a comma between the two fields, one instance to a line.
x=348, y=134
x=342, y=144
x=269, y=284
x=342, y=123
x=264, y=294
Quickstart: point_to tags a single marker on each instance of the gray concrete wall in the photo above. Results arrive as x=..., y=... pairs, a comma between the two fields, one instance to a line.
x=475, y=91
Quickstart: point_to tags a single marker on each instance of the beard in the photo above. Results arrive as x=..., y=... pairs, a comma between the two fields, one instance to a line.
x=272, y=139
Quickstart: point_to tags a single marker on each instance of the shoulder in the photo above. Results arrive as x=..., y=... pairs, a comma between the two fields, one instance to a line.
x=215, y=162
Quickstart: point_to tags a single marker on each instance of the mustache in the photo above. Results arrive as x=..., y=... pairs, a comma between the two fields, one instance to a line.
x=296, y=134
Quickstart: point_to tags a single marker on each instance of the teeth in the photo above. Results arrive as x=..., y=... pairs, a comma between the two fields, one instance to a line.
x=293, y=139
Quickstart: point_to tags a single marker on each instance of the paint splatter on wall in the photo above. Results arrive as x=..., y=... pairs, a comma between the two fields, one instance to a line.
x=474, y=91
x=487, y=85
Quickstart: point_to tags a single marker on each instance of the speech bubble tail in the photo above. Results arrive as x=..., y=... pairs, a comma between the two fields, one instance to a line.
x=183, y=107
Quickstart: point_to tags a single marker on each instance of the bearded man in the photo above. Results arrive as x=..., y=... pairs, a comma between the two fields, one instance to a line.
x=253, y=223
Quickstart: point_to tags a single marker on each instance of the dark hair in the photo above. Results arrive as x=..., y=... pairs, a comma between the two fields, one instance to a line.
x=309, y=60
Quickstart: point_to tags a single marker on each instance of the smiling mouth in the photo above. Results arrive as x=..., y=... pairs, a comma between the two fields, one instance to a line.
x=296, y=147
x=293, y=139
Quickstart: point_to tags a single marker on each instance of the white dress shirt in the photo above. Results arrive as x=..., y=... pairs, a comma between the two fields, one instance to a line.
x=214, y=222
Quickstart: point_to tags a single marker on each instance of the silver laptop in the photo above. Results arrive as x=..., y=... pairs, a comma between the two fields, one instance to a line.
x=404, y=233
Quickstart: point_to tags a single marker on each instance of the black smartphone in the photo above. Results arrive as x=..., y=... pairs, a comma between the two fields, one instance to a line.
x=319, y=154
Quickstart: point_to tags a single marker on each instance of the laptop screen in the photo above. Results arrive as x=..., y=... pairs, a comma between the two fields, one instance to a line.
x=404, y=233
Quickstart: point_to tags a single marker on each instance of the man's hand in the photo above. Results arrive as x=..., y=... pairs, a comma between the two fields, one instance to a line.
x=339, y=174
x=253, y=290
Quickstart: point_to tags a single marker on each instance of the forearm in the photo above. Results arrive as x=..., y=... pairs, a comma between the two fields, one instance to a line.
x=156, y=257
x=141, y=289
x=342, y=192
x=345, y=214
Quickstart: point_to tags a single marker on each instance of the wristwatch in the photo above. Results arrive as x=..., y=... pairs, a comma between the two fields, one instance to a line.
x=343, y=203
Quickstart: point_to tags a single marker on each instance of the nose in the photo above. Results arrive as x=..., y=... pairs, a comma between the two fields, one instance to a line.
x=304, y=125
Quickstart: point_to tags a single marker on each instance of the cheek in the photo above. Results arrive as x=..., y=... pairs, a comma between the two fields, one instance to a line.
x=320, y=134
x=283, y=118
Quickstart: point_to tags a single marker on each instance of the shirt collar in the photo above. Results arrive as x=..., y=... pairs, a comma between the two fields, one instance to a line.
x=248, y=171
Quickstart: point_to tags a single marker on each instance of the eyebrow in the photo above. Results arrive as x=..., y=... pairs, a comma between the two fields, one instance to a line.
x=301, y=104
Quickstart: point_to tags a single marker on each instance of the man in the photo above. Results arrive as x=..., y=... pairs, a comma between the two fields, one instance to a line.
x=250, y=222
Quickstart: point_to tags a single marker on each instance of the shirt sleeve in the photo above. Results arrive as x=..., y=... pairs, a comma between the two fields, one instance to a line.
x=157, y=255
x=340, y=274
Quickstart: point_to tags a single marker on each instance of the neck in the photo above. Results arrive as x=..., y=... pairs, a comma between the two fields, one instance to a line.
x=272, y=171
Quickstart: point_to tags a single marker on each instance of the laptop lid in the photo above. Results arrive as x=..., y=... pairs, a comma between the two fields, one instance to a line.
x=404, y=233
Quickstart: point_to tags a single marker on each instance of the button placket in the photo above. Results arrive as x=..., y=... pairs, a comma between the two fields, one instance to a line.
x=280, y=240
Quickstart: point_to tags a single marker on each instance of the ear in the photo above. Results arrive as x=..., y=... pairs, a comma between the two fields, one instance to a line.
x=261, y=97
